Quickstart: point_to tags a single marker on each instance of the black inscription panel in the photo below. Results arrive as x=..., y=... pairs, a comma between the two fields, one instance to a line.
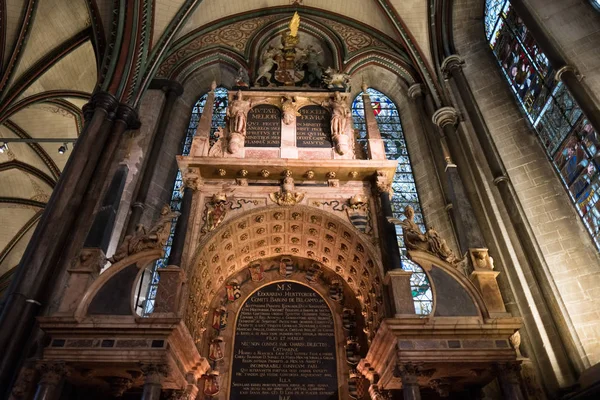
x=263, y=127
x=284, y=346
x=313, y=127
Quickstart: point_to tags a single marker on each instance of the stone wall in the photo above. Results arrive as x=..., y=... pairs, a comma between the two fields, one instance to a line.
x=567, y=248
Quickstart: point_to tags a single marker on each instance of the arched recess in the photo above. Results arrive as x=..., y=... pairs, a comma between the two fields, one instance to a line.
x=229, y=300
x=299, y=231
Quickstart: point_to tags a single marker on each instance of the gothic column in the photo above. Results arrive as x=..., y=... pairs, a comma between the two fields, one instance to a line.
x=172, y=91
x=564, y=72
x=26, y=295
x=52, y=374
x=409, y=375
x=467, y=228
x=556, y=339
x=153, y=377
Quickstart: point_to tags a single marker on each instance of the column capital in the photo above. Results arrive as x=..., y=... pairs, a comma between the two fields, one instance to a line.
x=416, y=90
x=52, y=372
x=565, y=69
x=168, y=86
x=445, y=116
x=383, y=183
x=192, y=178
x=450, y=63
x=154, y=373
x=129, y=116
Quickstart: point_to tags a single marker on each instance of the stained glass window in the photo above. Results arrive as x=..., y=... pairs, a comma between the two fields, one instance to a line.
x=405, y=190
x=596, y=4
x=568, y=138
x=218, y=121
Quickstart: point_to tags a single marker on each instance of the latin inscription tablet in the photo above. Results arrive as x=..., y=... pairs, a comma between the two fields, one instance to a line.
x=263, y=127
x=313, y=127
x=284, y=346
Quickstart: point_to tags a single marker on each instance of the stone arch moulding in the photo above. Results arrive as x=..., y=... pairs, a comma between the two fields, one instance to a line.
x=113, y=278
x=240, y=287
x=272, y=231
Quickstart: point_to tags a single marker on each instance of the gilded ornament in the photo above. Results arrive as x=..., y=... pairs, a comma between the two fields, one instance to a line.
x=265, y=173
x=286, y=196
x=243, y=173
x=331, y=175
x=353, y=174
x=259, y=218
x=310, y=174
x=221, y=172
x=278, y=215
x=260, y=231
x=296, y=216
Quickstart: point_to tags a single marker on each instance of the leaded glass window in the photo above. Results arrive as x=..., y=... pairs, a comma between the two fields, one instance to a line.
x=405, y=190
x=564, y=131
x=218, y=121
x=596, y=4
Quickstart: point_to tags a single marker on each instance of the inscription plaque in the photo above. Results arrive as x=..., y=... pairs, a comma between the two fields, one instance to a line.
x=313, y=127
x=263, y=127
x=284, y=346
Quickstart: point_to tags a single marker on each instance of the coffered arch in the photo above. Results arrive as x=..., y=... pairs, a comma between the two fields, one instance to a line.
x=300, y=231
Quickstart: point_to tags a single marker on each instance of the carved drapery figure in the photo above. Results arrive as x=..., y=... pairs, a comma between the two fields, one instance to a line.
x=340, y=116
x=218, y=148
x=142, y=239
x=430, y=242
x=268, y=61
x=288, y=105
x=237, y=113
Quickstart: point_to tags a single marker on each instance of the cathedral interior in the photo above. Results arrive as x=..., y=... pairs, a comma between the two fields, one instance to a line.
x=299, y=199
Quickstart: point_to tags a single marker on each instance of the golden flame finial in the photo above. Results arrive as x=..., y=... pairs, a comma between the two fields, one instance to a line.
x=294, y=24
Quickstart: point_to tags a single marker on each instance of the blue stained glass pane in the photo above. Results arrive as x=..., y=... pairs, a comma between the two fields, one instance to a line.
x=405, y=190
x=567, y=136
x=218, y=121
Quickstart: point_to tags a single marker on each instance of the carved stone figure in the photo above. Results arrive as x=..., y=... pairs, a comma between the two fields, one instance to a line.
x=269, y=60
x=430, y=242
x=237, y=113
x=336, y=79
x=287, y=196
x=288, y=105
x=314, y=68
x=154, y=238
x=236, y=143
x=340, y=113
x=242, y=79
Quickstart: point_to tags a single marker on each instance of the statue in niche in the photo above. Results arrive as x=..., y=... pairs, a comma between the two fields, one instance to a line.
x=430, y=242
x=142, y=239
x=288, y=105
x=237, y=114
x=269, y=60
x=335, y=79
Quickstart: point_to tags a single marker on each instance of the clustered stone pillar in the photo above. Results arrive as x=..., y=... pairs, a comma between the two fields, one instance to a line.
x=106, y=119
x=172, y=91
x=452, y=67
x=153, y=377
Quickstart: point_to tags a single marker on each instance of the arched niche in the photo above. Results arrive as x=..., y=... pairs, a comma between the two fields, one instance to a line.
x=299, y=231
x=222, y=320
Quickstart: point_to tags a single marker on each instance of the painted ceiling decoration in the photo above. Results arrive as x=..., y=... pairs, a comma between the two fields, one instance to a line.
x=55, y=53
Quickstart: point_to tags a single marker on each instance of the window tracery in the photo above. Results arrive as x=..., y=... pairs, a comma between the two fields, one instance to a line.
x=218, y=121
x=405, y=190
x=569, y=139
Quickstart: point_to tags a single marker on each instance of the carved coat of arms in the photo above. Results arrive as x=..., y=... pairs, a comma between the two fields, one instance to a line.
x=234, y=291
x=216, y=210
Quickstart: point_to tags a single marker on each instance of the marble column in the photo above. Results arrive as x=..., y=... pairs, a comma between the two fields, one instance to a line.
x=172, y=91
x=467, y=229
x=565, y=72
x=26, y=294
x=409, y=375
x=508, y=376
x=153, y=377
x=52, y=374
